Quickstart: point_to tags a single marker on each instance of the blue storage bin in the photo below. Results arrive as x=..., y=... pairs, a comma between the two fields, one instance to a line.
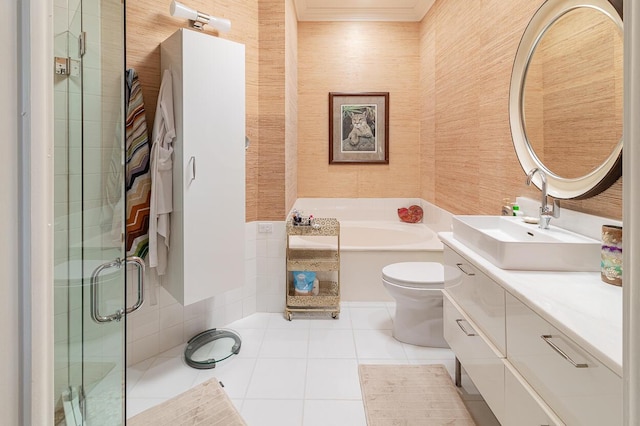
x=303, y=281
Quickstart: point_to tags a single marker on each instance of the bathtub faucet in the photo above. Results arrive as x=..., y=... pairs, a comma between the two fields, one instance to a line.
x=546, y=212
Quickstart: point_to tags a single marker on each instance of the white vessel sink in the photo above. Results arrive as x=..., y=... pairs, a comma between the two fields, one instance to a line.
x=509, y=243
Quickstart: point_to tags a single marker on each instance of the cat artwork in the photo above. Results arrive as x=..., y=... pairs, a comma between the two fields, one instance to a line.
x=360, y=128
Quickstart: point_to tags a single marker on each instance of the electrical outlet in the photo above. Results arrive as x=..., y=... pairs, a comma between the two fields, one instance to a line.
x=265, y=228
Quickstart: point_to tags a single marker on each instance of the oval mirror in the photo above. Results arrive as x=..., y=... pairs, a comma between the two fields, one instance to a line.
x=565, y=101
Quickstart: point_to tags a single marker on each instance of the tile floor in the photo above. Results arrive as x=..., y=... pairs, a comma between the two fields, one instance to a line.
x=300, y=372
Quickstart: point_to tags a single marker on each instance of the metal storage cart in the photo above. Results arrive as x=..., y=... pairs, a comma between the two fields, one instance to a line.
x=317, y=249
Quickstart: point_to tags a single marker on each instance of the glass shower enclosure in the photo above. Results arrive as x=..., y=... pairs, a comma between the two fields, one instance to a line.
x=90, y=284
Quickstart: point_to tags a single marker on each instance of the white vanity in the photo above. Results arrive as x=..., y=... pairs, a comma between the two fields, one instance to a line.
x=543, y=348
x=543, y=344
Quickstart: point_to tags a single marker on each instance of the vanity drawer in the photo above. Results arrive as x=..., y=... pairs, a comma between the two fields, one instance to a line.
x=479, y=297
x=580, y=389
x=482, y=362
x=522, y=405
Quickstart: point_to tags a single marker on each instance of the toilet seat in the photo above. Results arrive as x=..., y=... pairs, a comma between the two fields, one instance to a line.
x=423, y=275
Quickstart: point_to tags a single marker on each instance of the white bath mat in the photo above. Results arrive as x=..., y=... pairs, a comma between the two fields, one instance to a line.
x=408, y=395
x=205, y=405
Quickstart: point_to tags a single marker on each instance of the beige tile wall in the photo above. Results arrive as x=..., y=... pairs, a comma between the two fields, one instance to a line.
x=291, y=105
x=427, y=88
x=468, y=161
x=271, y=179
x=358, y=57
x=149, y=23
x=450, y=142
x=277, y=188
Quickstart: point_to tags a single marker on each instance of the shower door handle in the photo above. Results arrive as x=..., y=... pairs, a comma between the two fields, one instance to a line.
x=139, y=263
x=95, y=293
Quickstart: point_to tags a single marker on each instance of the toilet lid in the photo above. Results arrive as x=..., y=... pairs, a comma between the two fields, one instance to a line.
x=415, y=274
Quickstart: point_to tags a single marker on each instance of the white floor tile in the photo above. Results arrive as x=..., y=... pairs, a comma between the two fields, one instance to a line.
x=378, y=344
x=283, y=343
x=251, y=341
x=278, y=378
x=343, y=322
x=481, y=413
x=389, y=361
x=138, y=405
x=166, y=378
x=142, y=365
x=298, y=322
x=237, y=403
x=332, y=379
x=234, y=373
x=257, y=320
x=334, y=413
x=272, y=412
x=377, y=318
x=329, y=343
x=135, y=372
x=302, y=372
x=422, y=352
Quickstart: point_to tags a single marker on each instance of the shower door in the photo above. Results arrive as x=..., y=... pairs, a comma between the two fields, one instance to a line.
x=90, y=274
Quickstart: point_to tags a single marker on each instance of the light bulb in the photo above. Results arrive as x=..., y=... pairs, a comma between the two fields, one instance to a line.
x=179, y=10
x=221, y=24
x=199, y=19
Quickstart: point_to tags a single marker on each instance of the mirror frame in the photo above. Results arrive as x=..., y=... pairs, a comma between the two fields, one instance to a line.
x=560, y=187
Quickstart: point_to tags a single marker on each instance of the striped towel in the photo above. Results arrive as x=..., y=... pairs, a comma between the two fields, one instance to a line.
x=137, y=173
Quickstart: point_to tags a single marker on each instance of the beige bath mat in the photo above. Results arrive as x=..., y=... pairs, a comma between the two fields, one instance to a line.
x=206, y=404
x=407, y=395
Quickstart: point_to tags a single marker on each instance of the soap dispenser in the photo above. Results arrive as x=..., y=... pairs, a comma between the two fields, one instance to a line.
x=507, y=209
x=516, y=210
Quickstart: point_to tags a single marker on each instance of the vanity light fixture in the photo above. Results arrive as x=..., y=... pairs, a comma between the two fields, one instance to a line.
x=199, y=19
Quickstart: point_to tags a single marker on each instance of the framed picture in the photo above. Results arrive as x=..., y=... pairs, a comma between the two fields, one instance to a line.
x=359, y=128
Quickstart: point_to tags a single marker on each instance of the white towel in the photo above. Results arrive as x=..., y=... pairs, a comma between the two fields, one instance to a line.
x=164, y=133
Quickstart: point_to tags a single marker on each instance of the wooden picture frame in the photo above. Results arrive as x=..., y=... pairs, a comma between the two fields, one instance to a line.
x=359, y=128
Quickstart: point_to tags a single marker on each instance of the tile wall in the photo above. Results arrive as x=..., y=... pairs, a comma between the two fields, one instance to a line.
x=163, y=323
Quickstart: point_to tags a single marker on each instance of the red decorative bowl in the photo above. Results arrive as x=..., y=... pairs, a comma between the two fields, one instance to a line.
x=413, y=214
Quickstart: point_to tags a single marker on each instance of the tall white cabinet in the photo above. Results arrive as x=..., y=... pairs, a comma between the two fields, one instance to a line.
x=206, y=255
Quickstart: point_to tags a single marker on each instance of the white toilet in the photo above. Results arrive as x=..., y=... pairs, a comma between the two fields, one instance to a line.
x=417, y=288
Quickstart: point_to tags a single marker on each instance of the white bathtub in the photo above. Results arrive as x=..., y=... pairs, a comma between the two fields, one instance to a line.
x=367, y=246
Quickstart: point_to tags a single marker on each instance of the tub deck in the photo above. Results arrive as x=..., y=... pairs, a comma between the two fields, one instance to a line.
x=368, y=246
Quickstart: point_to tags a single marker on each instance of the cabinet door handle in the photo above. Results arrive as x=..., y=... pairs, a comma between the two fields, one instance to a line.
x=464, y=330
x=459, y=265
x=193, y=168
x=547, y=338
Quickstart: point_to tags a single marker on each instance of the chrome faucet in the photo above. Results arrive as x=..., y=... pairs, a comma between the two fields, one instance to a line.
x=546, y=212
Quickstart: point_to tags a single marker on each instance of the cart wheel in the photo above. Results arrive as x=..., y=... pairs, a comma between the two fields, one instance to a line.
x=335, y=315
x=289, y=316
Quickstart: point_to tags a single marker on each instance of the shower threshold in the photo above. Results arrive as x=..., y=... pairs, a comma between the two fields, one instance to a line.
x=71, y=406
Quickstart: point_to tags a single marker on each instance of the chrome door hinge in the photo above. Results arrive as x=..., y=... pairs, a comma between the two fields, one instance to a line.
x=66, y=66
x=62, y=65
x=82, y=43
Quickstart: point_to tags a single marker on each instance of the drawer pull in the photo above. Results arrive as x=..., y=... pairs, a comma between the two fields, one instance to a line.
x=547, y=337
x=464, y=330
x=459, y=265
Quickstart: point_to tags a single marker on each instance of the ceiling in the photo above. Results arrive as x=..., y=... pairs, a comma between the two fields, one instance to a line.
x=362, y=10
